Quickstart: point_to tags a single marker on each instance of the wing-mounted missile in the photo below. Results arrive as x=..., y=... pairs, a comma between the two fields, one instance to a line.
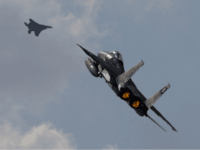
x=92, y=67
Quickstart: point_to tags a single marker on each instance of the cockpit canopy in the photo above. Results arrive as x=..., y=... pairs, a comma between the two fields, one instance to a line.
x=112, y=54
x=113, y=57
x=117, y=55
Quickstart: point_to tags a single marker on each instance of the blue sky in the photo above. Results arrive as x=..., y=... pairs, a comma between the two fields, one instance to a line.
x=50, y=100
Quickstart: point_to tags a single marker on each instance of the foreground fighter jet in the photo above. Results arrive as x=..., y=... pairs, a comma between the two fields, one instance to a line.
x=109, y=65
x=33, y=26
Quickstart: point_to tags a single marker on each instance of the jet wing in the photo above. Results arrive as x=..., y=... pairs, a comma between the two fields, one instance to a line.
x=31, y=21
x=159, y=114
x=48, y=26
x=37, y=32
x=43, y=27
x=112, y=71
x=149, y=102
x=124, y=77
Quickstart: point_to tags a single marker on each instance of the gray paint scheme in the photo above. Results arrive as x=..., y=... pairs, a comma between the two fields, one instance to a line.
x=124, y=77
x=119, y=79
x=156, y=96
x=91, y=67
x=36, y=27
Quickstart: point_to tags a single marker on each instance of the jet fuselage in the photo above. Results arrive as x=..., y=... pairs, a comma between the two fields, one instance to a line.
x=129, y=87
x=37, y=28
x=110, y=66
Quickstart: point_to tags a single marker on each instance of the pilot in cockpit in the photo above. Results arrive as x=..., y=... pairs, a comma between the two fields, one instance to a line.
x=117, y=60
x=117, y=55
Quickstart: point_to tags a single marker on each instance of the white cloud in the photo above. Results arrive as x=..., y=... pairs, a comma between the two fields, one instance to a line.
x=34, y=69
x=13, y=135
x=84, y=26
x=9, y=111
x=111, y=147
x=43, y=136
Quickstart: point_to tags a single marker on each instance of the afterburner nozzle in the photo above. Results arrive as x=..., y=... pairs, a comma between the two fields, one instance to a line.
x=126, y=95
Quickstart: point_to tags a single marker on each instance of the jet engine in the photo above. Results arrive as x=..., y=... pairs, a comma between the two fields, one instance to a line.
x=92, y=67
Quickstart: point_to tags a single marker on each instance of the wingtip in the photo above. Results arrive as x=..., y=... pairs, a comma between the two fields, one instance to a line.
x=142, y=62
x=168, y=86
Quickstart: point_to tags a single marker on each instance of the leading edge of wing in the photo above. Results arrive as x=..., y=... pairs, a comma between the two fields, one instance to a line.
x=159, y=114
x=99, y=61
x=31, y=20
x=123, y=78
x=49, y=26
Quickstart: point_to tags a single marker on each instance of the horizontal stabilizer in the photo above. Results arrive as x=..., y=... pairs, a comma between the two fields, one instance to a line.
x=149, y=102
x=124, y=77
x=25, y=23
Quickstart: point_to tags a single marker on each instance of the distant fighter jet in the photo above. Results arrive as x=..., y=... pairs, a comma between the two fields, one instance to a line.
x=109, y=65
x=33, y=26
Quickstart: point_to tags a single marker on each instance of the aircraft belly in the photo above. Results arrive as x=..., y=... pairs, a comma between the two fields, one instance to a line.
x=139, y=112
x=114, y=88
x=130, y=84
x=134, y=91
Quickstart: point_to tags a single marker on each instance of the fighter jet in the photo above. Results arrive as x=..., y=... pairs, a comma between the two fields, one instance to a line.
x=110, y=66
x=33, y=26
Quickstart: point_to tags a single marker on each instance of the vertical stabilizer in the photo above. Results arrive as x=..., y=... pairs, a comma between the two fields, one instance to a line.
x=156, y=123
x=160, y=115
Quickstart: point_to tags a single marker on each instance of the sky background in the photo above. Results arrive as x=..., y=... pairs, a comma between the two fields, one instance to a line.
x=50, y=100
